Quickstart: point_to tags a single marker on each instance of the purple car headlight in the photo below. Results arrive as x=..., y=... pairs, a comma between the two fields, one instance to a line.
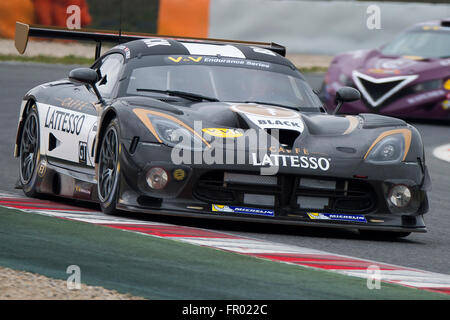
x=427, y=85
x=345, y=80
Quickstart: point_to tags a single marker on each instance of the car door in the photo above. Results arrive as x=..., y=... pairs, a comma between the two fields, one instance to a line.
x=71, y=127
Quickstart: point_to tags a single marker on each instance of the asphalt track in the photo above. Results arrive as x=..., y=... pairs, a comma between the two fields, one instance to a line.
x=430, y=251
x=157, y=268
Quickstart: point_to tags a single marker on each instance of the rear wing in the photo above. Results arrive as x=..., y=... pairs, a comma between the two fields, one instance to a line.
x=24, y=31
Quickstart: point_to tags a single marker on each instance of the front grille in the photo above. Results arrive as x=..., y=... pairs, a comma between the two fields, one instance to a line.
x=290, y=195
x=378, y=90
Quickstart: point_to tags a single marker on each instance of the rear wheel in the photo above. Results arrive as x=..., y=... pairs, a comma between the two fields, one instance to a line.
x=29, y=153
x=373, y=234
x=109, y=168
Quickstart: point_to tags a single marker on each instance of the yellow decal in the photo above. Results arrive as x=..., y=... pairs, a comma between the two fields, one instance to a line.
x=431, y=27
x=313, y=215
x=195, y=59
x=181, y=59
x=223, y=132
x=447, y=85
x=179, y=174
x=175, y=59
x=417, y=58
x=218, y=207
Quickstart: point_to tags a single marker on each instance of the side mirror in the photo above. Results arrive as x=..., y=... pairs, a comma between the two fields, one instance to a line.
x=84, y=75
x=346, y=94
x=88, y=77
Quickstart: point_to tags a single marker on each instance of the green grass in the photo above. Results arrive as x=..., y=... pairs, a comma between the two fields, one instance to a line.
x=70, y=59
x=312, y=69
x=158, y=268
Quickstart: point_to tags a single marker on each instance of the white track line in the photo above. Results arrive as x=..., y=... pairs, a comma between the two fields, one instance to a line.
x=442, y=152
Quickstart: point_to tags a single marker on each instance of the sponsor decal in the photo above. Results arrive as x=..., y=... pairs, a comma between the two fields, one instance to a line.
x=42, y=168
x=445, y=63
x=446, y=105
x=241, y=62
x=243, y=210
x=271, y=117
x=64, y=121
x=77, y=105
x=293, y=161
x=425, y=96
x=156, y=42
x=179, y=174
x=185, y=59
x=83, y=189
x=417, y=58
x=263, y=51
x=82, y=152
x=400, y=63
x=223, y=132
x=337, y=217
x=124, y=49
x=383, y=71
x=435, y=28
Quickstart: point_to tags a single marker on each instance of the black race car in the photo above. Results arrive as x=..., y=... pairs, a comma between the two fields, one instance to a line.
x=218, y=129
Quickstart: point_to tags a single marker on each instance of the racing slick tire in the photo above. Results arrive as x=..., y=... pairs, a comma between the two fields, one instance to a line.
x=373, y=234
x=29, y=153
x=109, y=168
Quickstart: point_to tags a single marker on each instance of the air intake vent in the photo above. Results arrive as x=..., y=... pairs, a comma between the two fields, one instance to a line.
x=377, y=90
x=285, y=137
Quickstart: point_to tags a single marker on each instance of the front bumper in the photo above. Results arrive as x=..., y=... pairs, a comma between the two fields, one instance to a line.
x=427, y=105
x=360, y=191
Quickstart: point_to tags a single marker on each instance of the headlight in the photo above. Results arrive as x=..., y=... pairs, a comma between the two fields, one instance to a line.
x=170, y=130
x=389, y=149
x=400, y=196
x=427, y=86
x=173, y=134
x=157, y=178
x=345, y=80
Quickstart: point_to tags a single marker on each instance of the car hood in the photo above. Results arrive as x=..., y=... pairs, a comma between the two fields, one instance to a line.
x=377, y=65
x=338, y=136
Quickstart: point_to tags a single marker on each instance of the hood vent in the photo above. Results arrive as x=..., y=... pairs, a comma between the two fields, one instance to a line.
x=286, y=137
x=372, y=121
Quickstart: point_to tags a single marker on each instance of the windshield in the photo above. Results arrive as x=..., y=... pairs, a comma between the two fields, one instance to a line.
x=224, y=83
x=426, y=44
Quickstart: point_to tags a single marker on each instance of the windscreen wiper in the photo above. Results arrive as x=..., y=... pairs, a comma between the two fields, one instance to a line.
x=188, y=95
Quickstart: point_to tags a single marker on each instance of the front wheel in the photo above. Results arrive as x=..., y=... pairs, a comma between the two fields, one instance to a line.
x=109, y=169
x=29, y=153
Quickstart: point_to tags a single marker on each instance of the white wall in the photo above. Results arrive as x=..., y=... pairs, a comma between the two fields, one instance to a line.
x=321, y=27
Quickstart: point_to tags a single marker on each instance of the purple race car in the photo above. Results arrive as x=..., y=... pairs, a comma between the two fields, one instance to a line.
x=407, y=78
